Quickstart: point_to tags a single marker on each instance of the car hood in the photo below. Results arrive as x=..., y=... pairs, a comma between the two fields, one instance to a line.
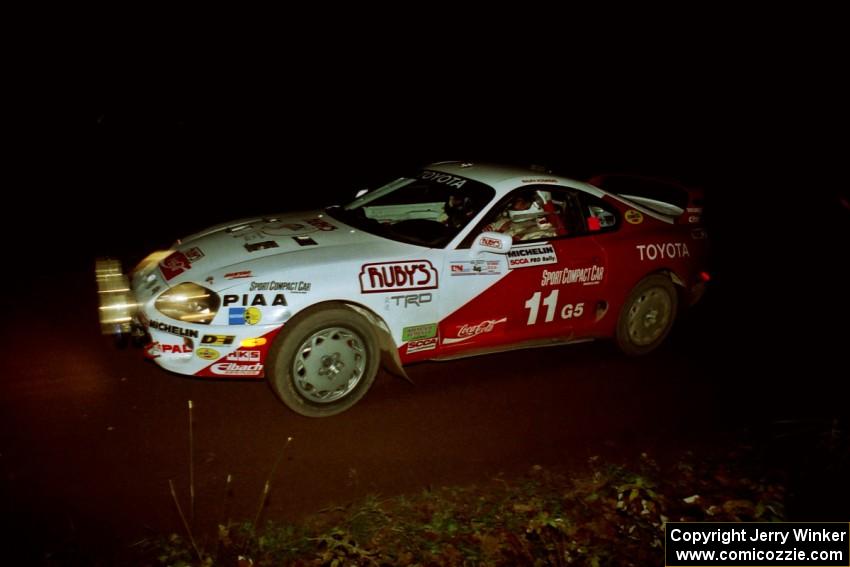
x=229, y=251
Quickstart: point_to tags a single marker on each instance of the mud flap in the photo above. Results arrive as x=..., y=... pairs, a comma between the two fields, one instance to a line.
x=389, y=353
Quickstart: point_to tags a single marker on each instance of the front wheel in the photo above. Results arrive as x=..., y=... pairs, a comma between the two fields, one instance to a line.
x=323, y=363
x=647, y=316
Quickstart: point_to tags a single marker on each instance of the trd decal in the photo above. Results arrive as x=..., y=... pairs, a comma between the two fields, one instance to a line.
x=412, y=300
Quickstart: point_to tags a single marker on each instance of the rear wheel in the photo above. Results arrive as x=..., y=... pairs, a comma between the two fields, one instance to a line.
x=323, y=363
x=647, y=316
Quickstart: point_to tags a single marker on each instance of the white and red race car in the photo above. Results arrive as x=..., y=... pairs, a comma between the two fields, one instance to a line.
x=459, y=259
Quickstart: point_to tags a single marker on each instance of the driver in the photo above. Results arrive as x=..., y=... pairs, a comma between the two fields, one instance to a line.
x=523, y=219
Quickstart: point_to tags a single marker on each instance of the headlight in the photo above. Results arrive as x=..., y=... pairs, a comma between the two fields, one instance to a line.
x=189, y=302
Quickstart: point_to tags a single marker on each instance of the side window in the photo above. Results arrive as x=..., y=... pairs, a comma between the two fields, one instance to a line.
x=535, y=212
x=600, y=215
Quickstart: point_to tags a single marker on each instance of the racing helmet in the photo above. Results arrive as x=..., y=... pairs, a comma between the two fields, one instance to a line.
x=532, y=211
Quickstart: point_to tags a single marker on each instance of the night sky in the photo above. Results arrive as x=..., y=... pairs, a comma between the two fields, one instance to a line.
x=120, y=153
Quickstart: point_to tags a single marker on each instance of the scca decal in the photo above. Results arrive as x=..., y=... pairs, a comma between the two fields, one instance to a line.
x=397, y=276
x=533, y=255
x=256, y=299
x=420, y=345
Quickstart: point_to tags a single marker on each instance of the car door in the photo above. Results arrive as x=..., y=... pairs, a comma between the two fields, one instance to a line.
x=547, y=285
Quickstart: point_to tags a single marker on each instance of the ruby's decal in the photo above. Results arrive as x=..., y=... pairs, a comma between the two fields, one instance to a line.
x=397, y=276
x=420, y=345
x=663, y=251
x=466, y=332
x=531, y=255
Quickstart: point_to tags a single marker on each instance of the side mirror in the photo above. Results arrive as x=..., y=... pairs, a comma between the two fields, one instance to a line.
x=593, y=224
x=493, y=242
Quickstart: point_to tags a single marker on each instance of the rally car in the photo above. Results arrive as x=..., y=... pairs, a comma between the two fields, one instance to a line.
x=458, y=259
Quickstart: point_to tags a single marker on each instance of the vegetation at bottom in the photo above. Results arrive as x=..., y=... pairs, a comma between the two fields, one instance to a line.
x=605, y=514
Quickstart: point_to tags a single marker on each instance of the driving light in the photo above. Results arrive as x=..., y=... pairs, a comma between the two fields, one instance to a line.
x=189, y=302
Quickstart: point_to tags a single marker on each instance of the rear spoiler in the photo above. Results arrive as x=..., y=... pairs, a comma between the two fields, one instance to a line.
x=663, y=196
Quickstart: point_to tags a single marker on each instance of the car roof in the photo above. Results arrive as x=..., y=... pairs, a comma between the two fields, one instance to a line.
x=504, y=178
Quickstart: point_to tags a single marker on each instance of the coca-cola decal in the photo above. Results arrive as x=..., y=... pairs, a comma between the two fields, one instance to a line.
x=469, y=330
x=396, y=276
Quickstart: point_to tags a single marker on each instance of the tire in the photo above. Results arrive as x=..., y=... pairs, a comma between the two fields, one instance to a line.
x=323, y=363
x=647, y=315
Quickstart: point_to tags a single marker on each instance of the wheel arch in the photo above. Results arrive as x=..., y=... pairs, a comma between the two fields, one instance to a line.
x=390, y=360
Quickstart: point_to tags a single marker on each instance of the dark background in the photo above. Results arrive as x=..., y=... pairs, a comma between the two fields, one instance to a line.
x=117, y=151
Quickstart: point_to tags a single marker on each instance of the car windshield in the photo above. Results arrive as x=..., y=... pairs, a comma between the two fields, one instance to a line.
x=429, y=209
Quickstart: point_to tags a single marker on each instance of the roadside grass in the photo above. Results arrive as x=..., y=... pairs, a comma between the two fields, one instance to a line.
x=605, y=514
